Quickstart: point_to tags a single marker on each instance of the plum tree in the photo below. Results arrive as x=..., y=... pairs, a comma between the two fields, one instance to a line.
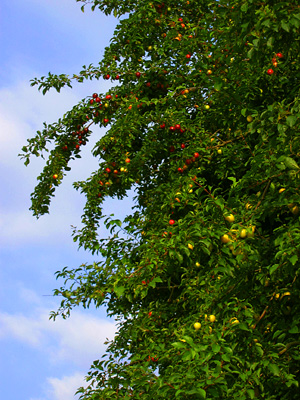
x=166, y=120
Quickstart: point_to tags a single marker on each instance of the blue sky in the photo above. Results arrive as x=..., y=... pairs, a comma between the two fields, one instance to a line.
x=41, y=359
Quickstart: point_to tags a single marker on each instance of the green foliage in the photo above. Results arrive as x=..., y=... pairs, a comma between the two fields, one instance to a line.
x=204, y=122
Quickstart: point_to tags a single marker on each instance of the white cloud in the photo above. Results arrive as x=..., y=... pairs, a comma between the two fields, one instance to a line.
x=66, y=387
x=22, y=328
x=79, y=339
x=21, y=227
x=63, y=388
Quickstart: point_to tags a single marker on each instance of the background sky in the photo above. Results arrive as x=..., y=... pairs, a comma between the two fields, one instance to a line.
x=42, y=359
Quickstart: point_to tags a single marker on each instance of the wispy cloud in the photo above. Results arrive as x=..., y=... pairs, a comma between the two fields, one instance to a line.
x=79, y=339
x=65, y=387
x=62, y=388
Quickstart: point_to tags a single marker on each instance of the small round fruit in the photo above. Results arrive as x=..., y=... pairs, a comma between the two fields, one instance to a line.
x=207, y=106
x=243, y=233
x=190, y=246
x=279, y=55
x=197, y=264
x=171, y=222
x=197, y=325
x=219, y=151
x=209, y=72
x=230, y=218
x=249, y=118
x=55, y=176
x=286, y=294
x=212, y=318
x=270, y=71
x=295, y=210
x=225, y=239
x=281, y=190
x=248, y=206
x=234, y=321
x=127, y=160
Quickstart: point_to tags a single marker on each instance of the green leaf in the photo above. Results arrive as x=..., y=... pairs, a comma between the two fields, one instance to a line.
x=259, y=349
x=218, y=85
x=216, y=348
x=179, y=257
x=281, y=128
x=267, y=23
x=285, y=26
x=294, y=329
x=179, y=345
x=295, y=22
x=291, y=120
x=243, y=327
x=250, y=52
x=294, y=259
x=273, y=268
x=270, y=42
x=220, y=203
x=255, y=42
x=200, y=393
x=290, y=163
x=119, y=290
x=233, y=179
x=226, y=357
x=274, y=369
x=251, y=393
x=188, y=339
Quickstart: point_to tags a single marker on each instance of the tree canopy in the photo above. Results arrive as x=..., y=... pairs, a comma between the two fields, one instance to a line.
x=202, y=122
